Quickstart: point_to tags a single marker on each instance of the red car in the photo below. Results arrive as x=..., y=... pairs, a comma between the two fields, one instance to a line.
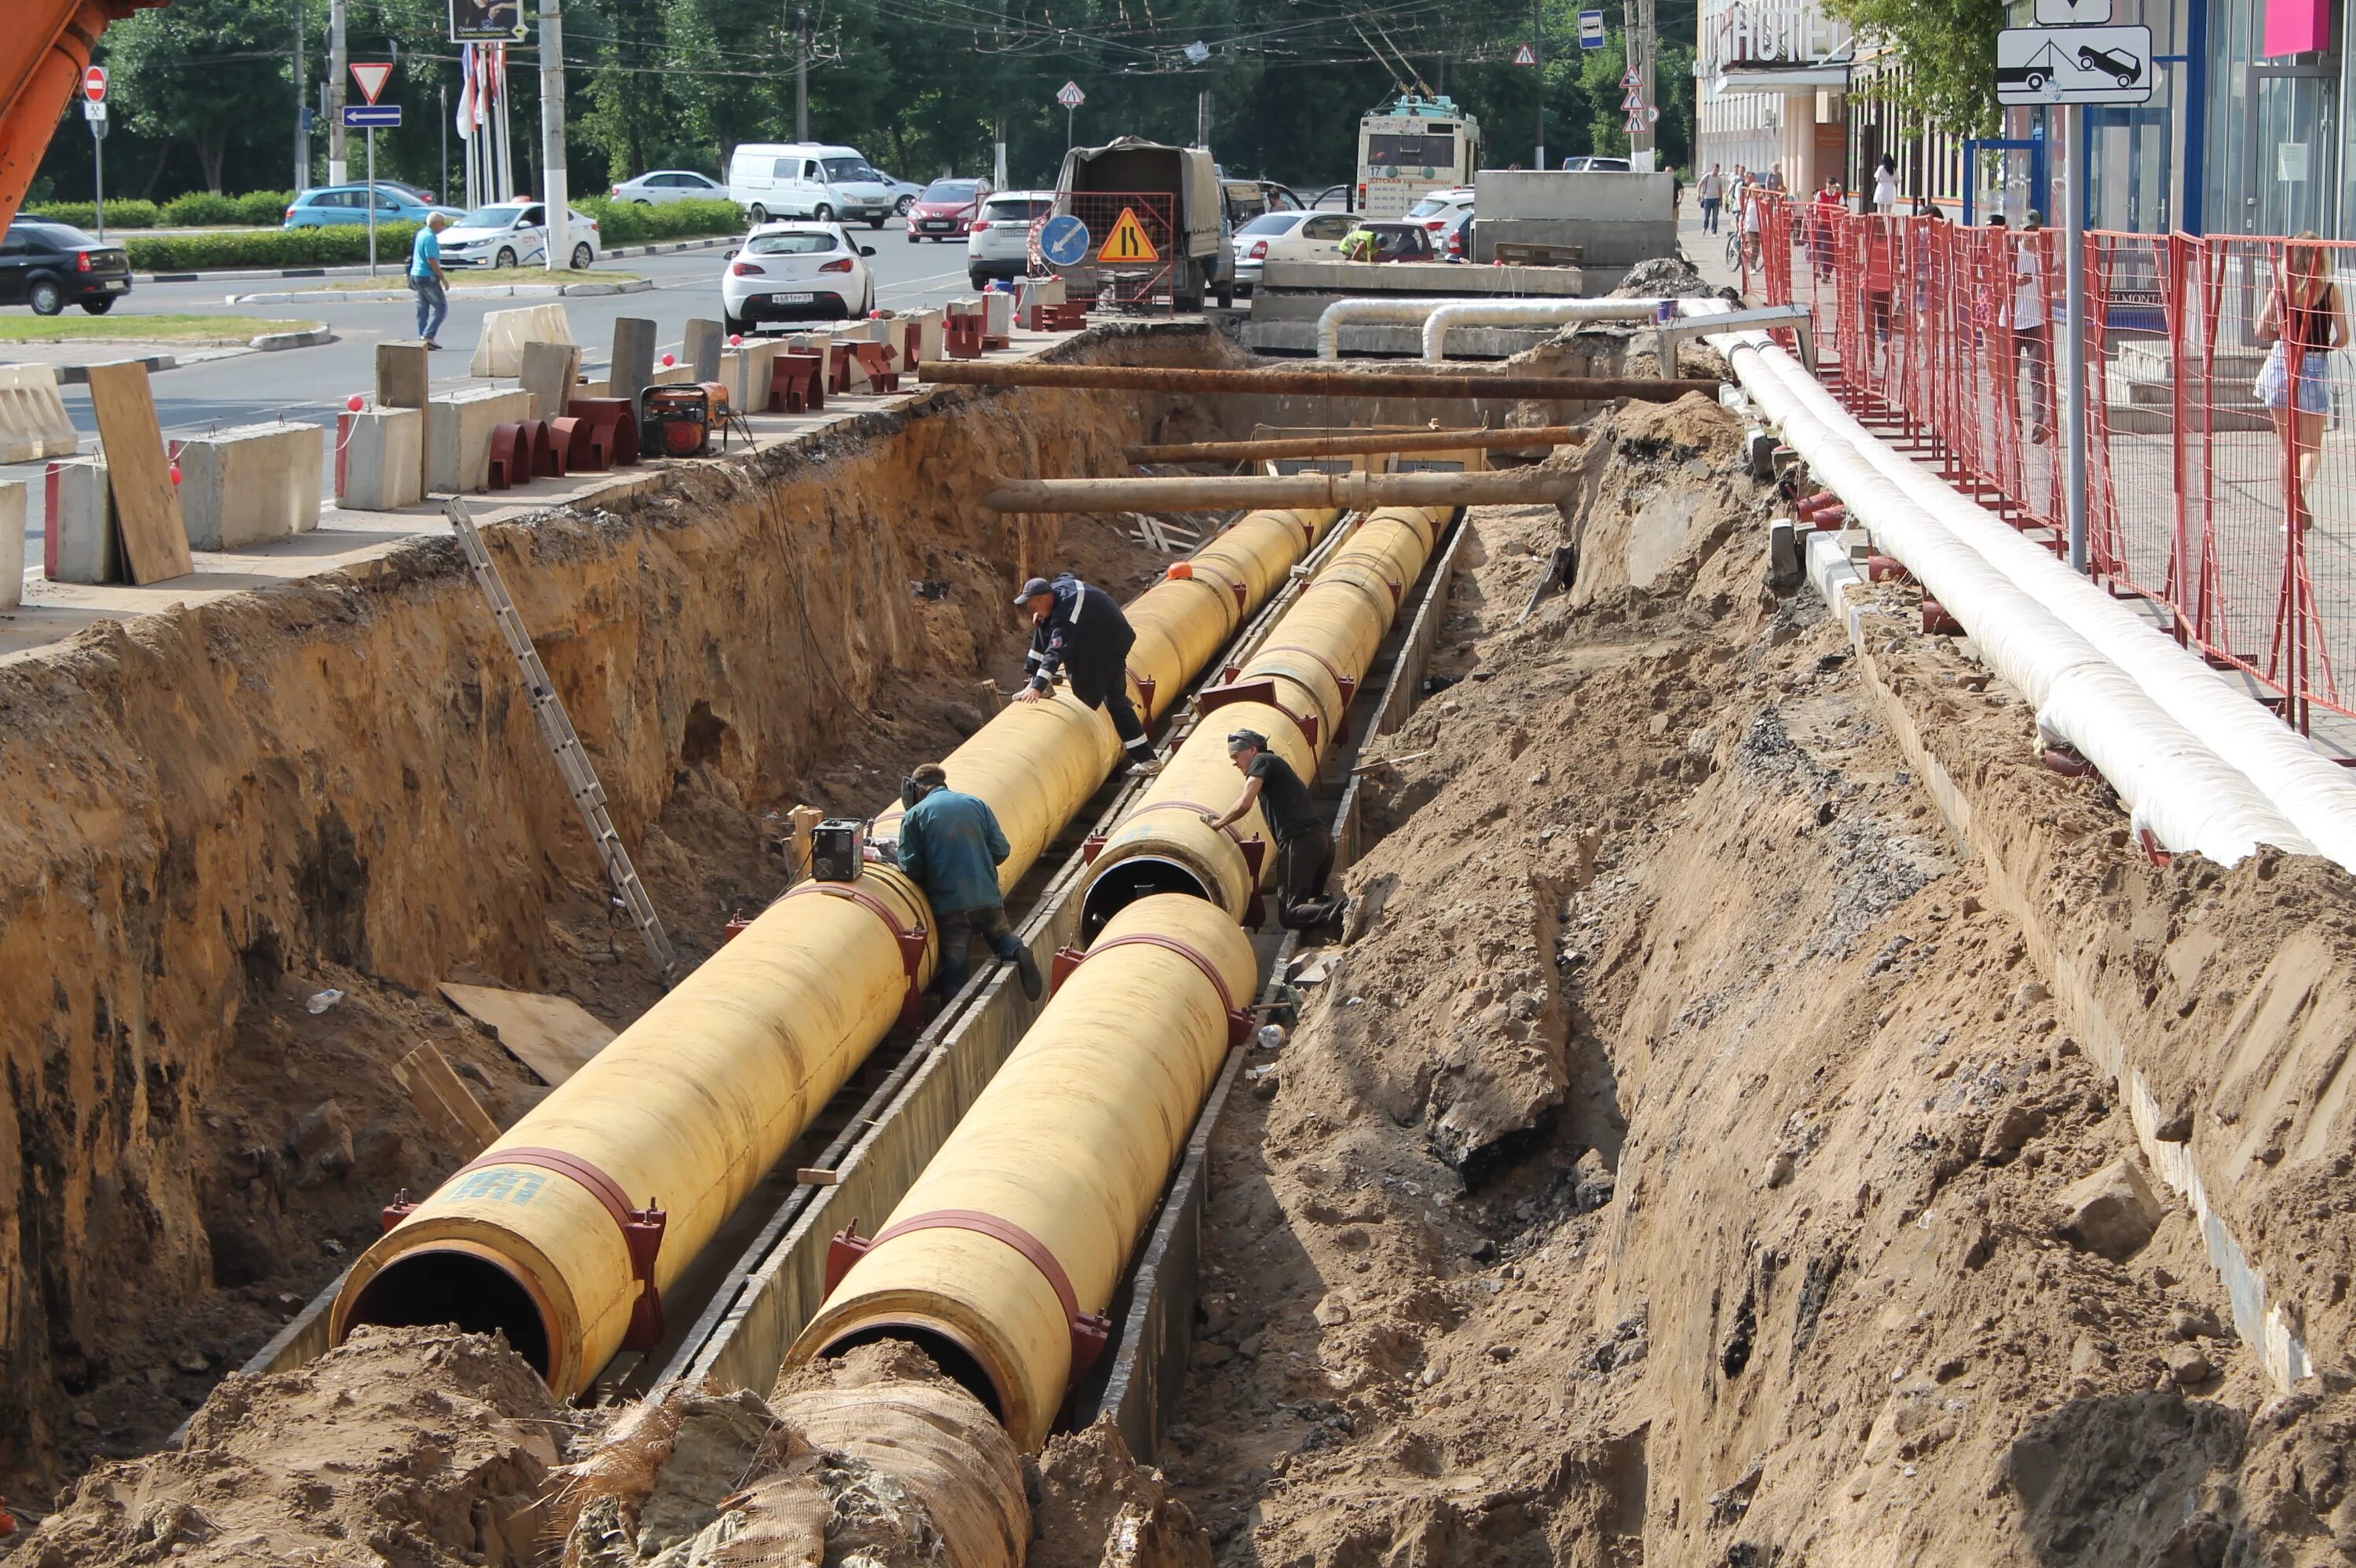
x=945, y=210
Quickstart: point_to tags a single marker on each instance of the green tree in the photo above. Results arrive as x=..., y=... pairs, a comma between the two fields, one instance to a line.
x=1946, y=57
x=200, y=72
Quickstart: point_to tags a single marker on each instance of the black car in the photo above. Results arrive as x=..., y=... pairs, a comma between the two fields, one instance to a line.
x=52, y=265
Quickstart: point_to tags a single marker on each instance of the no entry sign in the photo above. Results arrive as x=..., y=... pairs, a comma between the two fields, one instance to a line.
x=93, y=84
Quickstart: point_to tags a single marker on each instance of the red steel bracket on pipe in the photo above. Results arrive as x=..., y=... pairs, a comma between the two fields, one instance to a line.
x=1348, y=683
x=910, y=938
x=1212, y=698
x=642, y=1229
x=1240, y=1020
x=1090, y=1330
x=1187, y=571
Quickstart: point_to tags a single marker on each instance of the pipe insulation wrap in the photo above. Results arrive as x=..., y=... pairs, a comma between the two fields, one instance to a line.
x=1071, y=1143
x=2174, y=787
x=2315, y=794
x=691, y=1105
x=1454, y=314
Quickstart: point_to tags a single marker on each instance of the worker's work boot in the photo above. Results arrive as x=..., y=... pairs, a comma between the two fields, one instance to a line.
x=1027, y=967
x=1145, y=767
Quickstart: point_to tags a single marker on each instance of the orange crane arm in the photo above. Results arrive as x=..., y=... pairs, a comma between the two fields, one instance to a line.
x=42, y=57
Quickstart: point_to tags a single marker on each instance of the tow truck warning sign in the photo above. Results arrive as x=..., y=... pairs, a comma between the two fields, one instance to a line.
x=1128, y=240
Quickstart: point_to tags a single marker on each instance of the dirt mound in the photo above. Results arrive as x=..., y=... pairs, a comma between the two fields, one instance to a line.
x=1686, y=1162
x=1667, y=277
x=1099, y=1508
x=406, y=1445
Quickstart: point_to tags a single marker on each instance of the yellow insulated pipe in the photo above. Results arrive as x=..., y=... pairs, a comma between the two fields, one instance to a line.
x=1024, y=1220
x=1296, y=691
x=553, y=1236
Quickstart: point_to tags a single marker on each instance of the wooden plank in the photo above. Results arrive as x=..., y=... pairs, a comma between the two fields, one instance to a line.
x=554, y=1035
x=155, y=538
x=438, y=1093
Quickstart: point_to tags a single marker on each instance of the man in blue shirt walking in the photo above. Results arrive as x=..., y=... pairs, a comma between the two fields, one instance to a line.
x=427, y=278
x=951, y=847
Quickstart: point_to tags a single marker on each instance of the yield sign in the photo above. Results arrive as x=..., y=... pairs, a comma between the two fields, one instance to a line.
x=93, y=84
x=371, y=78
x=1524, y=55
x=1128, y=240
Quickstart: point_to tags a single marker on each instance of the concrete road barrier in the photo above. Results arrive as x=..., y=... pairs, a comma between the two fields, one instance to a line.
x=746, y=372
x=550, y=370
x=459, y=437
x=380, y=459
x=1032, y=298
x=499, y=351
x=924, y=337
x=250, y=484
x=33, y=422
x=12, y=544
x=83, y=542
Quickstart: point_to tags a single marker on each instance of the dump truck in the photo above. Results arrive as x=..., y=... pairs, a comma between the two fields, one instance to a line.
x=1174, y=236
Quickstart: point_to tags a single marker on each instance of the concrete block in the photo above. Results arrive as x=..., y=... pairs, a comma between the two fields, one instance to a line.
x=702, y=352
x=401, y=379
x=459, y=437
x=924, y=335
x=1032, y=296
x=380, y=459
x=634, y=358
x=550, y=370
x=1783, y=555
x=12, y=543
x=499, y=350
x=1503, y=194
x=999, y=305
x=250, y=484
x=83, y=542
x=33, y=422
x=746, y=372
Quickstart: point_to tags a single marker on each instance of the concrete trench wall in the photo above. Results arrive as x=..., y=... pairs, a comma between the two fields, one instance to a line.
x=343, y=772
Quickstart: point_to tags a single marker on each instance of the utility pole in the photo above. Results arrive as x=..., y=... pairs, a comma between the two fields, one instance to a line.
x=1638, y=17
x=1537, y=46
x=1203, y=118
x=302, y=109
x=339, y=168
x=553, y=187
x=802, y=73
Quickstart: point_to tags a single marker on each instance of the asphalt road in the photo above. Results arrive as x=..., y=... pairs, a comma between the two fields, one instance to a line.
x=311, y=384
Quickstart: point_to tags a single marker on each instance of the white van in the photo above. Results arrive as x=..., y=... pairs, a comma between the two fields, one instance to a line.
x=807, y=179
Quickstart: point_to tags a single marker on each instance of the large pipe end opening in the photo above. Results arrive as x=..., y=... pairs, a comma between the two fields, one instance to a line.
x=958, y=1363
x=1124, y=882
x=433, y=1285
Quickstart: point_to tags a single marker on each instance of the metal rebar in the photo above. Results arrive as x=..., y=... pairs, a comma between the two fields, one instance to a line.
x=1350, y=491
x=1345, y=445
x=1399, y=383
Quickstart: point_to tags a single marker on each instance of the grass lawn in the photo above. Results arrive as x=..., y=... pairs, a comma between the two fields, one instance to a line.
x=393, y=274
x=76, y=327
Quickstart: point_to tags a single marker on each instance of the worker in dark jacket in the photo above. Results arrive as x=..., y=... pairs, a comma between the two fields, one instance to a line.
x=1304, y=847
x=1077, y=628
x=951, y=847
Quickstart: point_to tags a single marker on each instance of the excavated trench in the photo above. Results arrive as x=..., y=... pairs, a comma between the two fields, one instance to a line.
x=1700, y=1151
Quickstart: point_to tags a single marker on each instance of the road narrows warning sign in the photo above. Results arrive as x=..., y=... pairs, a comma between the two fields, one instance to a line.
x=1128, y=240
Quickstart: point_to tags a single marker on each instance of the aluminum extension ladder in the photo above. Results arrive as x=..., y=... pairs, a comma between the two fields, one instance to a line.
x=565, y=741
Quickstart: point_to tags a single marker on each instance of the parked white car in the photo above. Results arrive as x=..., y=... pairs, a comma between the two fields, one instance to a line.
x=515, y=234
x=656, y=186
x=999, y=245
x=796, y=272
x=810, y=179
x=1316, y=238
x=1438, y=211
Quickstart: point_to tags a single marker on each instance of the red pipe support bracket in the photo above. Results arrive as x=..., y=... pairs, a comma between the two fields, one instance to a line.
x=1212, y=698
x=1091, y=1332
x=912, y=940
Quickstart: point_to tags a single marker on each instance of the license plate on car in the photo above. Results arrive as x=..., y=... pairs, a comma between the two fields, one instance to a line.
x=930, y=224
x=796, y=299
x=118, y=282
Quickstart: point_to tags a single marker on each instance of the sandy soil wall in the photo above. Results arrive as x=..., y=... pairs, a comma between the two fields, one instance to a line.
x=208, y=814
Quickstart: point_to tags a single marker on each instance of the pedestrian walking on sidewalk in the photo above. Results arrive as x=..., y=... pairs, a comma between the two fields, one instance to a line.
x=1710, y=190
x=2306, y=320
x=1304, y=847
x=2032, y=327
x=1885, y=186
x=951, y=847
x=1078, y=631
x=428, y=281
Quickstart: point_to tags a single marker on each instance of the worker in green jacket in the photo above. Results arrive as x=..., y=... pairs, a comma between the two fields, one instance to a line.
x=951, y=847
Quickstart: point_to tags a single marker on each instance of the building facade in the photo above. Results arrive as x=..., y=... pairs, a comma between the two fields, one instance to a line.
x=1770, y=88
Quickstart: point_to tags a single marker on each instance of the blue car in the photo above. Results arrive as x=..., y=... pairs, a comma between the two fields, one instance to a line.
x=318, y=208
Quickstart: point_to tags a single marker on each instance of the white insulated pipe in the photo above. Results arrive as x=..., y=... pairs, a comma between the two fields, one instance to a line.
x=2313, y=793
x=2173, y=784
x=1467, y=312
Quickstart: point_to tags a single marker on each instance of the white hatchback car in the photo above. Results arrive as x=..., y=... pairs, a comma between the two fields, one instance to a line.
x=999, y=244
x=515, y=234
x=1438, y=211
x=796, y=272
x=1253, y=240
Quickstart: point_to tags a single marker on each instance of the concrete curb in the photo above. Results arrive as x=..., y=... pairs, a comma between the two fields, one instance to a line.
x=79, y=375
x=271, y=342
x=359, y=271
x=492, y=292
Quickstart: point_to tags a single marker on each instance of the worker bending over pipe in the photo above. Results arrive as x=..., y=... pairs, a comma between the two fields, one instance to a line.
x=951, y=845
x=543, y=1238
x=1001, y=1258
x=1078, y=628
x=1304, y=845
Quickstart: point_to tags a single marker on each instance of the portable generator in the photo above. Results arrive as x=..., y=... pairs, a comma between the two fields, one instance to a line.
x=838, y=846
x=675, y=420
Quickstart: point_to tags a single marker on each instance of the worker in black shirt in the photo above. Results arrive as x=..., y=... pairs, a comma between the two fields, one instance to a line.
x=1076, y=627
x=1304, y=848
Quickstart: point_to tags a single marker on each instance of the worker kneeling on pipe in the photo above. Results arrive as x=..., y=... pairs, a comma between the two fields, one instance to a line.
x=1076, y=627
x=951, y=847
x=1305, y=846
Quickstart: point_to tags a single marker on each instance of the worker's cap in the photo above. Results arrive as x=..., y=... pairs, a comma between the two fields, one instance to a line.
x=929, y=773
x=1033, y=589
x=1237, y=740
